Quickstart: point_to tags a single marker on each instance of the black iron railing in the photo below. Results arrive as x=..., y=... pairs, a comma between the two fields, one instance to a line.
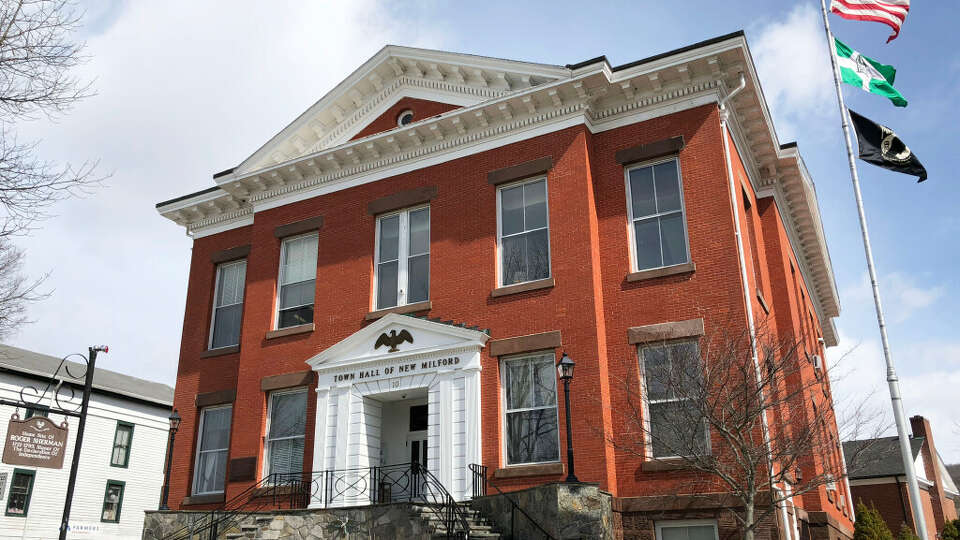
x=480, y=483
x=406, y=482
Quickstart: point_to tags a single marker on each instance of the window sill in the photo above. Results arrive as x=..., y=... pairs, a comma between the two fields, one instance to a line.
x=763, y=302
x=222, y=351
x=523, y=287
x=686, y=268
x=290, y=331
x=659, y=465
x=520, y=471
x=212, y=498
x=408, y=308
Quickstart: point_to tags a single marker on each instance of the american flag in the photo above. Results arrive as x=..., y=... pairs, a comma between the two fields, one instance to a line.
x=889, y=12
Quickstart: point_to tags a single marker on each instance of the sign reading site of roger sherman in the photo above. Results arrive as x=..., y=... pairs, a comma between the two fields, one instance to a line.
x=35, y=442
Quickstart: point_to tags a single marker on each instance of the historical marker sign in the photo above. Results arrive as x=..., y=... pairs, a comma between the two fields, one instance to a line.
x=35, y=442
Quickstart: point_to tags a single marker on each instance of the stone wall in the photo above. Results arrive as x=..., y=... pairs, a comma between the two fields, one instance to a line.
x=382, y=521
x=563, y=510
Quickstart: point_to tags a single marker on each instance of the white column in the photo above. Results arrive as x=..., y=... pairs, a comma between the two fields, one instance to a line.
x=319, y=447
x=474, y=450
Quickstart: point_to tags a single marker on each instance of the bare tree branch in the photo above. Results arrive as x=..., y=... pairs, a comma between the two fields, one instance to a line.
x=762, y=428
x=37, y=58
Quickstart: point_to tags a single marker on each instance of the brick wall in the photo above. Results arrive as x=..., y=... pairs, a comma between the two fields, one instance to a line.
x=592, y=303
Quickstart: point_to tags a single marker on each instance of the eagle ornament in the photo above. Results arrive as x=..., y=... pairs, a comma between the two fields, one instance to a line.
x=393, y=339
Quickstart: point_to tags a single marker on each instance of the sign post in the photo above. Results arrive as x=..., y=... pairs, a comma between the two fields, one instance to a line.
x=38, y=442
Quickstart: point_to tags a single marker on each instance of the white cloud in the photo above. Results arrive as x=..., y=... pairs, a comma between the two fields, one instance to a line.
x=794, y=66
x=184, y=90
x=861, y=378
x=902, y=296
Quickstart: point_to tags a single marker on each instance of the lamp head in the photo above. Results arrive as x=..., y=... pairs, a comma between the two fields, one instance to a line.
x=565, y=367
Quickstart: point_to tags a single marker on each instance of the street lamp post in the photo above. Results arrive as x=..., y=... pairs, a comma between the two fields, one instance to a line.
x=174, y=426
x=565, y=369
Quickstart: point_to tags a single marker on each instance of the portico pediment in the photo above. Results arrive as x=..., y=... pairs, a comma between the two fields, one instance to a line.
x=397, y=336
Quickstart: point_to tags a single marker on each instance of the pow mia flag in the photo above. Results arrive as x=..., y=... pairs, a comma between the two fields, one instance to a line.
x=881, y=146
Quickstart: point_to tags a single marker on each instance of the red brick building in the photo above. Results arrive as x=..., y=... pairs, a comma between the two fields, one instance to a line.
x=877, y=479
x=393, y=277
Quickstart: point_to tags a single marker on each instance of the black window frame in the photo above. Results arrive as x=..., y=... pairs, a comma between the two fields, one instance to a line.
x=29, y=495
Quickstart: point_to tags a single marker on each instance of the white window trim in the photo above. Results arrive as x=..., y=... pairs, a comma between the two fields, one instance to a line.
x=660, y=525
x=648, y=439
x=631, y=233
x=216, y=288
x=403, y=254
x=265, y=467
x=546, y=201
x=283, y=252
x=199, y=452
x=506, y=410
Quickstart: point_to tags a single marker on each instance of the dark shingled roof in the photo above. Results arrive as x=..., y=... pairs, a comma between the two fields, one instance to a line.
x=954, y=471
x=872, y=458
x=37, y=365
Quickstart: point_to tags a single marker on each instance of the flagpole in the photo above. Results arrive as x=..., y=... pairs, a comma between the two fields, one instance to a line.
x=893, y=382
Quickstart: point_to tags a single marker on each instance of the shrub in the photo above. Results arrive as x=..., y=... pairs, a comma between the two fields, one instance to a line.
x=869, y=524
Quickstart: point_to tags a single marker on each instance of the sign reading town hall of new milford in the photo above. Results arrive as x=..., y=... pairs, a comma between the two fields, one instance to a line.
x=35, y=442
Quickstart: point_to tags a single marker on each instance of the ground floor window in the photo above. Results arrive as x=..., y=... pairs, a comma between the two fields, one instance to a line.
x=213, y=442
x=695, y=529
x=286, y=431
x=112, y=501
x=21, y=489
x=530, y=388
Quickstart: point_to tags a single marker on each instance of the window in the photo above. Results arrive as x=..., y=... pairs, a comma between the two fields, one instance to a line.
x=228, y=304
x=403, y=258
x=112, y=501
x=405, y=118
x=672, y=379
x=21, y=488
x=122, y=439
x=285, y=432
x=37, y=410
x=530, y=386
x=524, y=236
x=213, y=440
x=298, y=270
x=658, y=225
x=694, y=529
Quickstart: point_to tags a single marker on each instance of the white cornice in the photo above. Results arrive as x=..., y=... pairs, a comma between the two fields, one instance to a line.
x=594, y=96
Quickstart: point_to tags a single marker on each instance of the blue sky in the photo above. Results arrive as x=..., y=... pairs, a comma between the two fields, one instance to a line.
x=188, y=89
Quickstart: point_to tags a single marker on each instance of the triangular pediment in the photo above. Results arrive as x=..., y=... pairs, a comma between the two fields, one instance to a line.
x=396, y=336
x=394, y=74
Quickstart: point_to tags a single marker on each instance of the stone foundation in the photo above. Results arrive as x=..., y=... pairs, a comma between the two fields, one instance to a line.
x=565, y=511
x=380, y=521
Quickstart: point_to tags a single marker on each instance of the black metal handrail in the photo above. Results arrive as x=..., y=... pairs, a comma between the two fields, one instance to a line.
x=405, y=482
x=270, y=492
x=480, y=483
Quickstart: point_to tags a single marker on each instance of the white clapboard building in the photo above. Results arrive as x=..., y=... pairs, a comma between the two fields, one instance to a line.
x=121, y=462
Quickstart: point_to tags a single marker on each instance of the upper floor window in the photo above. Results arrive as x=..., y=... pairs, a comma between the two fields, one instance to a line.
x=213, y=442
x=403, y=258
x=658, y=224
x=286, y=432
x=228, y=304
x=524, y=232
x=530, y=391
x=298, y=271
x=672, y=380
x=122, y=442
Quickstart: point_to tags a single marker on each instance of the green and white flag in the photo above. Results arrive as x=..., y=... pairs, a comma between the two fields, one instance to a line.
x=867, y=73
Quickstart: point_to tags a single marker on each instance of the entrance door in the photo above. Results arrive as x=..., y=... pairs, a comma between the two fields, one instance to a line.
x=417, y=447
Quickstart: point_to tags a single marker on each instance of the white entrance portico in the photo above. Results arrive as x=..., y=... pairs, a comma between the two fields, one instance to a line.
x=386, y=372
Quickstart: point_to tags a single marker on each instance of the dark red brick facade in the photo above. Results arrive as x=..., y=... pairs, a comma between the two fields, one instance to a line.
x=592, y=303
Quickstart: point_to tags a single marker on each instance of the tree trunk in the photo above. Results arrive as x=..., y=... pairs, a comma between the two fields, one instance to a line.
x=748, y=525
